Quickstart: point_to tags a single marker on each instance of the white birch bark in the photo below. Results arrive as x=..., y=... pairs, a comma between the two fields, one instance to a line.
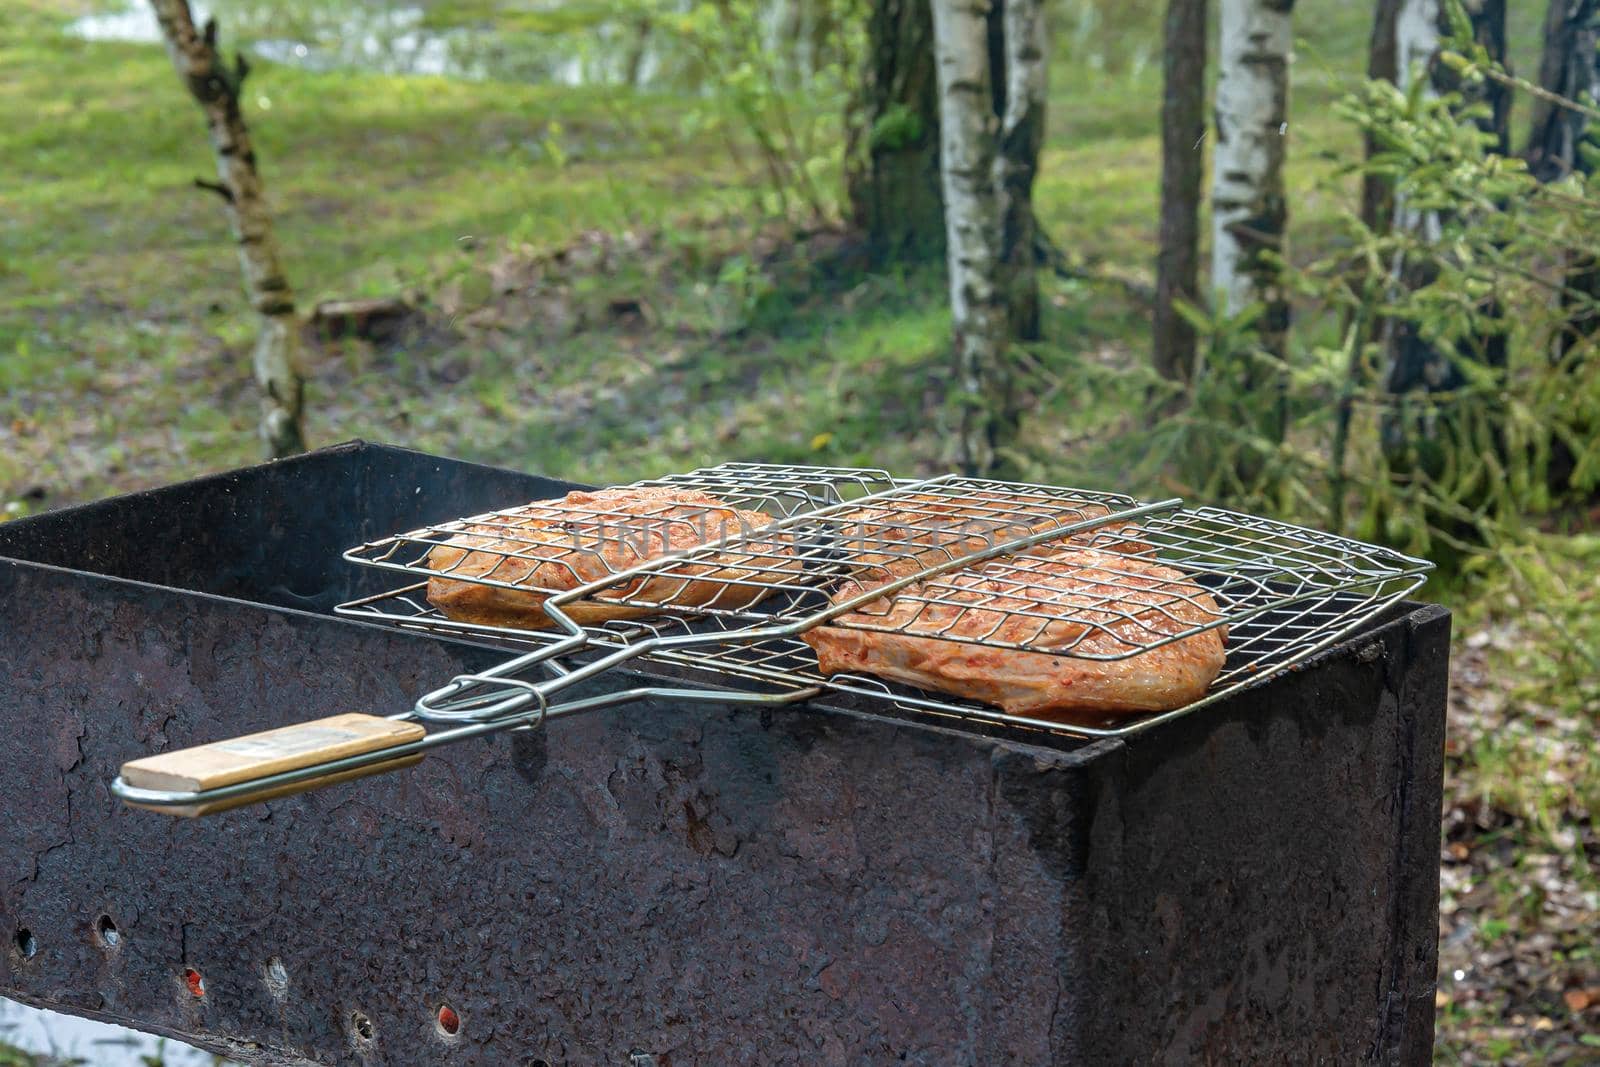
x=972, y=219
x=215, y=88
x=1410, y=362
x=1247, y=197
x=1416, y=34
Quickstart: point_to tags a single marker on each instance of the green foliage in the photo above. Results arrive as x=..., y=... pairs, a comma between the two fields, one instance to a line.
x=786, y=72
x=1221, y=441
x=1548, y=582
x=1492, y=247
x=1480, y=269
x=1530, y=612
x=11, y=1056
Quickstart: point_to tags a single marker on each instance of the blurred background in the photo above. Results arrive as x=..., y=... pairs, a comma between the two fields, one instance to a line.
x=608, y=239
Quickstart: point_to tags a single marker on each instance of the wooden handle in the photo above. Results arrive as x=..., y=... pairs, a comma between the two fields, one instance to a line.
x=257, y=756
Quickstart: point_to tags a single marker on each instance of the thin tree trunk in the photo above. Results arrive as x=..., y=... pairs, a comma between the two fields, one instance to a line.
x=215, y=87
x=1249, y=212
x=1561, y=140
x=1022, y=121
x=1410, y=361
x=1377, y=215
x=1377, y=190
x=893, y=182
x=633, y=65
x=1183, y=127
x=1568, y=68
x=1413, y=362
x=1488, y=19
x=972, y=225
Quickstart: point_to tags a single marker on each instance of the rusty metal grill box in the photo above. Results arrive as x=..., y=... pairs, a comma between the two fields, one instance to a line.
x=1256, y=882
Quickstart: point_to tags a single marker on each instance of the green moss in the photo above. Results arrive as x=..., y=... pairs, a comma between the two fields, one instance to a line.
x=897, y=129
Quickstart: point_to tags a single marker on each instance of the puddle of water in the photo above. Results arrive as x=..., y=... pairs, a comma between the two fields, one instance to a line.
x=135, y=24
x=556, y=41
x=594, y=49
x=68, y=1039
x=551, y=41
x=392, y=42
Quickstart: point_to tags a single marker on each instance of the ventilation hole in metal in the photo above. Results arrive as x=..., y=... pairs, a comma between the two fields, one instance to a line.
x=277, y=977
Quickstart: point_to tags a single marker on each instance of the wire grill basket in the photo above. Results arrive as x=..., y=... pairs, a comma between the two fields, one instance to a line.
x=958, y=559
x=733, y=589
x=561, y=542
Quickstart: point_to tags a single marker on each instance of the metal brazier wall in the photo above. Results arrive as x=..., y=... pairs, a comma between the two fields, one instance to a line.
x=696, y=885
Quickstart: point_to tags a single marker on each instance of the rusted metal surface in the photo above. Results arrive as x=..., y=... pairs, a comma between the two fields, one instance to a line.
x=699, y=885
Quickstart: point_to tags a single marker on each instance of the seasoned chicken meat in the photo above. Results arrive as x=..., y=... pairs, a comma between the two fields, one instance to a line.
x=914, y=531
x=551, y=546
x=1059, y=605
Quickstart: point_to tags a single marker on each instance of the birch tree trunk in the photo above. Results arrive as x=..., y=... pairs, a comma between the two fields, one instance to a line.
x=1248, y=208
x=215, y=87
x=972, y=225
x=894, y=184
x=1416, y=39
x=1411, y=362
x=1183, y=127
x=1026, y=49
x=1249, y=212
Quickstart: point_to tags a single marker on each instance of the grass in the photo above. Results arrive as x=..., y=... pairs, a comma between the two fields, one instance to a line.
x=11, y=1056
x=119, y=284
x=603, y=303
x=1520, y=888
x=119, y=281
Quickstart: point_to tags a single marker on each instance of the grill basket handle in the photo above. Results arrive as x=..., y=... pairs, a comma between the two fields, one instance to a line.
x=245, y=770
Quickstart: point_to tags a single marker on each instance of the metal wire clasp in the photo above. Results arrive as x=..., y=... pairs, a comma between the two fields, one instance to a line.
x=504, y=697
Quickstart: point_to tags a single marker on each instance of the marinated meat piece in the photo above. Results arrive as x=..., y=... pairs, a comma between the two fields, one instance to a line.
x=1054, y=603
x=914, y=531
x=548, y=547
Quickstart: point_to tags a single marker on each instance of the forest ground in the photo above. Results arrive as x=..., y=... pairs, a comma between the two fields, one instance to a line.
x=596, y=304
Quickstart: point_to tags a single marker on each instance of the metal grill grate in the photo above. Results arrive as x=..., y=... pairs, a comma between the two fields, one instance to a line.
x=1282, y=592
x=569, y=543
